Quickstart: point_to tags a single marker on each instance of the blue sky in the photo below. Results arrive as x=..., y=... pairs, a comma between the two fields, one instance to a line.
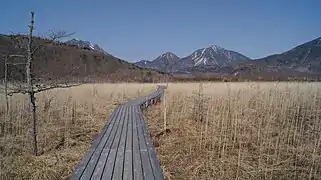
x=143, y=29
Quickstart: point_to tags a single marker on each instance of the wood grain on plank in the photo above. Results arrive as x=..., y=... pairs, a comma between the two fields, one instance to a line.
x=106, y=149
x=128, y=163
x=123, y=149
x=110, y=164
x=81, y=167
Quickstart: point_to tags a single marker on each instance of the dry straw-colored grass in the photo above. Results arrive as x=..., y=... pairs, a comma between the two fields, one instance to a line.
x=68, y=119
x=214, y=130
x=239, y=131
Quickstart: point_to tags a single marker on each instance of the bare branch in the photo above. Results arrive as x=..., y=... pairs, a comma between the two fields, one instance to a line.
x=57, y=35
x=37, y=48
x=45, y=88
x=19, y=40
x=40, y=88
x=26, y=43
x=53, y=36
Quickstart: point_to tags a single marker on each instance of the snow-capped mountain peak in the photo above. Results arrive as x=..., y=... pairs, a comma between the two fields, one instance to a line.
x=167, y=56
x=216, y=48
x=162, y=62
x=214, y=55
x=210, y=56
x=85, y=44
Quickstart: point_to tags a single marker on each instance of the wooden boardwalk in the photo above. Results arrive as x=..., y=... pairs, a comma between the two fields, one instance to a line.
x=123, y=149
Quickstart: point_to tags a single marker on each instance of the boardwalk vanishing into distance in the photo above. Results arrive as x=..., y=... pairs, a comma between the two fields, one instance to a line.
x=123, y=149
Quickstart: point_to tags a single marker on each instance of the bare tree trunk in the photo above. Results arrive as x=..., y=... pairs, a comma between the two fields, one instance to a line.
x=6, y=85
x=34, y=117
x=30, y=86
x=165, y=118
x=30, y=55
x=30, y=90
x=2, y=124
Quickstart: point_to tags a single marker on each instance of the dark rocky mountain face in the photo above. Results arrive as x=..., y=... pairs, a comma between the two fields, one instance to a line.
x=210, y=56
x=165, y=60
x=162, y=62
x=302, y=60
x=143, y=63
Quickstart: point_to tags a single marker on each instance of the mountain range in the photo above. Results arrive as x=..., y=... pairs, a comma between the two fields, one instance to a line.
x=209, y=56
x=303, y=60
x=162, y=62
x=84, y=60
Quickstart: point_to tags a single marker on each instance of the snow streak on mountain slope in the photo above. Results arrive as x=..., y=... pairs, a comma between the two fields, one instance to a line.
x=85, y=44
x=210, y=56
x=213, y=55
x=161, y=62
x=166, y=58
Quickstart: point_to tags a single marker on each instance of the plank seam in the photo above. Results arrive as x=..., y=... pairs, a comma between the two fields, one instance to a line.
x=104, y=132
x=128, y=117
x=139, y=148
x=121, y=132
x=111, y=144
x=141, y=119
x=119, y=114
x=132, y=139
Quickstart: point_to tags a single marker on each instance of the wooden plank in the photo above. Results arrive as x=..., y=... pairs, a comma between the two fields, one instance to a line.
x=123, y=149
x=112, y=152
x=106, y=150
x=120, y=157
x=81, y=166
x=157, y=171
x=109, y=167
x=96, y=156
x=137, y=163
x=128, y=164
x=83, y=163
x=147, y=168
x=101, y=164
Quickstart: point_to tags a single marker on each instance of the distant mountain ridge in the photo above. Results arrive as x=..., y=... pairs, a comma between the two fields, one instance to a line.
x=63, y=61
x=82, y=59
x=212, y=56
x=303, y=60
x=209, y=56
x=162, y=62
x=85, y=44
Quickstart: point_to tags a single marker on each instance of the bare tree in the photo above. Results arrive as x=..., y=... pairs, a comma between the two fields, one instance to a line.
x=25, y=43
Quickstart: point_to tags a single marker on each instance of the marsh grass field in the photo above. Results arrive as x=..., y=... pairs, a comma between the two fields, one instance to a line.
x=241, y=130
x=68, y=121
